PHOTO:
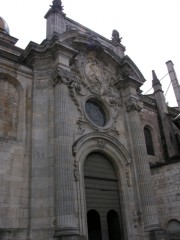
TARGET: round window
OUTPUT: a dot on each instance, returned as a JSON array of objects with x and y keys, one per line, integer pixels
[{"x": 95, "y": 113}]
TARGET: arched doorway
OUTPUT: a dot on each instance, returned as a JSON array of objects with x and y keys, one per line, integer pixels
[
  {"x": 113, "y": 225},
  {"x": 101, "y": 190},
  {"x": 94, "y": 225}
]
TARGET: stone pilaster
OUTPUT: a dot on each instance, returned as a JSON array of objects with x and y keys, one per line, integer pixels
[
  {"x": 150, "y": 216},
  {"x": 66, "y": 222}
]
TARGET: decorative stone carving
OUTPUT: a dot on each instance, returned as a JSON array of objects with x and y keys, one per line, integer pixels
[
  {"x": 99, "y": 80},
  {"x": 127, "y": 71},
  {"x": 60, "y": 75},
  {"x": 94, "y": 73},
  {"x": 78, "y": 89},
  {"x": 70, "y": 28},
  {"x": 71, "y": 80},
  {"x": 128, "y": 177},
  {"x": 90, "y": 76},
  {"x": 96, "y": 76},
  {"x": 90, "y": 35},
  {"x": 76, "y": 171},
  {"x": 81, "y": 127},
  {"x": 88, "y": 40},
  {"x": 101, "y": 143},
  {"x": 115, "y": 103},
  {"x": 115, "y": 37},
  {"x": 57, "y": 5},
  {"x": 133, "y": 104},
  {"x": 136, "y": 216}
]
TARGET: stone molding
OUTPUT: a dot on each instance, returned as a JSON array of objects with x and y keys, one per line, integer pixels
[
  {"x": 101, "y": 141},
  {"x": 112, "y": 148},
  {"x": 66, "y": 231}
]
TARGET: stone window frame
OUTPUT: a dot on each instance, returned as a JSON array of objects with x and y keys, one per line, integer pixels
[
  {"x": 103, "y": 104},
  {"x": 20, "y": 116},
  {"x": 102, "y": 120},
  {"x": 154, "y": 139},
  {"x": 149, "y": 143}
]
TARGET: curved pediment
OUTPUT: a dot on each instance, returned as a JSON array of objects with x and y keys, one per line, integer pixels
[
  {"x": 87, "y": 41},
  {"x": 129, "y": 68}
]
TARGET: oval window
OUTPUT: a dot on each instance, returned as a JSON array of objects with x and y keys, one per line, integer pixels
[{"x": 95, "y": 113}]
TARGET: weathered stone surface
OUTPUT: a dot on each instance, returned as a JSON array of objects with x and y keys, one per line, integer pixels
[{"x": 58, "y": 161}]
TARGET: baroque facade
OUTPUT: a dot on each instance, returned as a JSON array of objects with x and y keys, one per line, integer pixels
[{"x": 83, "y": 154}]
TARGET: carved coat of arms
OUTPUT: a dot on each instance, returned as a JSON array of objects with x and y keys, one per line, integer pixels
[
  {"x": 94, "y": 73},
  {"x": 99, "y": 78}
]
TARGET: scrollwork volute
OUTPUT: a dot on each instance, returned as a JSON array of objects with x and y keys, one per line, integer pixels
[
  {"x": 133, "y": 104},
  {"x": 127, "y": 71},
  {"x": 60, "y": 75},
  {"x": 71, "y": 80},
  {"x": 76, "y": 171}
]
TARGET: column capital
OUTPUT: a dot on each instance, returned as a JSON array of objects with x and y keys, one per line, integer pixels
[
  {"x": 132, "y": 103},
  {"x": 60, "y": 75}
]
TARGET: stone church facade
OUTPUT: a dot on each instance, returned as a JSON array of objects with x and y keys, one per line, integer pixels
[{"x": 83, "y": 154}]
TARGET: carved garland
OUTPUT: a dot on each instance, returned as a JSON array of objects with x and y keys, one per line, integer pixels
[{"x": 71, "y": 81}]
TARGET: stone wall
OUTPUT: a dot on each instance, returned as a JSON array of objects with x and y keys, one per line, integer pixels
[
  {"x": 167, "y": 191},
  {"x": 15, "y": 139},
  {"x": 9, "y": 99},
  {"x": 13, "y": 185}
]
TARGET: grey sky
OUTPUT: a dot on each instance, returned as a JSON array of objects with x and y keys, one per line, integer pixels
[{"x": 150, "y": 28}]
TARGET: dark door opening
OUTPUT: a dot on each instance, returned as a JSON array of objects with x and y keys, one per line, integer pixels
[
  {"x": 113, "y": 225},
  {"x": 94, "y": 225}
]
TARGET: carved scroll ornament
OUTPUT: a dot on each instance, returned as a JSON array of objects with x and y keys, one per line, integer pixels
[{"x": 133, "y": 104}]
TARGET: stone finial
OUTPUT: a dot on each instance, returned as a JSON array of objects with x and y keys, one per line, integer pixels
[
  {"x": 57, "y": 5},
  {"x": 155, "y": 79},
  {"x": 115, "y": 37}
]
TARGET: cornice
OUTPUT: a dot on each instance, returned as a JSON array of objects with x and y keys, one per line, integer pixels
[
  {"x": 11, "y": 67},
  {"x": 127, "y": 61},
  {"x": 8, "y": 39},
  {"x": 44, "y": 50},
  {"x": 148, "y": 101}
]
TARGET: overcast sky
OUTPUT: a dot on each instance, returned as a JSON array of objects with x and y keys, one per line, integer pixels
[{"x": 150, "y": 29}]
